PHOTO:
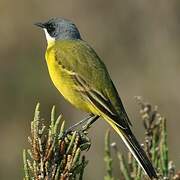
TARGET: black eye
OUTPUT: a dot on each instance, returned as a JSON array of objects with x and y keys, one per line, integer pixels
[{"x": 50, "y": 28}]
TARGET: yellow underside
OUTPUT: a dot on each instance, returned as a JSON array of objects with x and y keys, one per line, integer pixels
[{"x": 62, "y": 79}]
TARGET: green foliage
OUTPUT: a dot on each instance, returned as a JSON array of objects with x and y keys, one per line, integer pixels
[
  {"x": 54, "y": 154},
  {"x": 155, "y": 145},
  {"x": 107, "y": 158}
]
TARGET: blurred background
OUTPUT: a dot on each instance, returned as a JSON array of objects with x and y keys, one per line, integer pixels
[{"x": 138, "y": 41}]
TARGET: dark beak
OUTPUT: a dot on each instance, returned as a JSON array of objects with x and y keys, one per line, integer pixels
[{"x": 42, "y": 25}]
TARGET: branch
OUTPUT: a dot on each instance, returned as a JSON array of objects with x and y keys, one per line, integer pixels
[{"x": 53, "y": 154}]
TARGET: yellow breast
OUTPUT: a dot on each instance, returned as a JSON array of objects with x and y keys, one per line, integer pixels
[{"x": 63, "y": 81}]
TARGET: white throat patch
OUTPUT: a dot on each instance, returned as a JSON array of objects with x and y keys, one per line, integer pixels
[{"x": 50, "y": 40}]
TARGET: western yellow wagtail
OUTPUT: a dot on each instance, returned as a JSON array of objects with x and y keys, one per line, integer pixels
[{"x": 82, "y": 78}]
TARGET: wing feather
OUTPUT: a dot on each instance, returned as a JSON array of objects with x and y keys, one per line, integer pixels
[{"x": 99, "y": 101}]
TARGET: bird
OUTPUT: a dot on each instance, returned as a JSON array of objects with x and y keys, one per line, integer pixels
[{"x": 82, "y": 78}]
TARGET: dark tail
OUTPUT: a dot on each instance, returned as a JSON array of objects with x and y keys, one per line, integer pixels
[
  {"x": 137, "y": 151},
  {"x": 140, "y": 155}
]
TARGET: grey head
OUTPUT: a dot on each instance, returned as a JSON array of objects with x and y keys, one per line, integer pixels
[{"x": 59, "y": 29}]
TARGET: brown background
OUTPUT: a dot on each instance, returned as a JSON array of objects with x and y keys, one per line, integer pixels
[{"x": 137, "y": 39}]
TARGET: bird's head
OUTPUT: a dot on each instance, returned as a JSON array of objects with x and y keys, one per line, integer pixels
[{"x": 59, "y": 29}]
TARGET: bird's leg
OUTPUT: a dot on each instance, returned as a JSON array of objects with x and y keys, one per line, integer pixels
[
  {"x": 79, "y": 123},
  {"x": 91, "y": 120}
]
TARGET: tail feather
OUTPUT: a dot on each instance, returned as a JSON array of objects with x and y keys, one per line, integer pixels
[
  {"x": 137, "y": 151},
  {"x": 140, "y": 155}
]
